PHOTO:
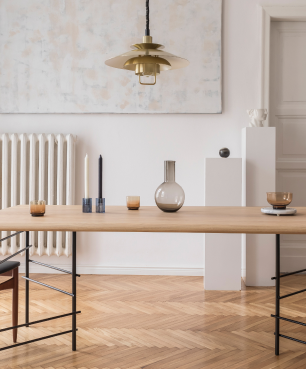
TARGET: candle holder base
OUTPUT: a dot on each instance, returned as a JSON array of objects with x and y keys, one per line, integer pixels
[
  {"x": 87, "y": 205},
  {"x": 100, "y": 205}
]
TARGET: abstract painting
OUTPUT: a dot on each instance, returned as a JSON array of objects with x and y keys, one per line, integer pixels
[{"x": 53, "y": 52}]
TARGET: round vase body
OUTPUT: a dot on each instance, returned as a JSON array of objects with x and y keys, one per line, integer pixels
[{"x": 169, "y": 196}]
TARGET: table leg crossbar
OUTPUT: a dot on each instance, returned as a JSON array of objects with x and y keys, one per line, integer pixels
[
  {"x": 52, "y": 267},
  {"x": 27, "y": 299},
  {"x": 277, "y": 316},
  {"x": 48, "y": 286},
  {"x": 35, "y": 340}
]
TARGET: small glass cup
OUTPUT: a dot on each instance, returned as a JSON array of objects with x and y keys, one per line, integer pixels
[
  {"x": 279, "y": 200},
  {"x": 37, "y": 208},
  {"x": 133, "y": 202}
]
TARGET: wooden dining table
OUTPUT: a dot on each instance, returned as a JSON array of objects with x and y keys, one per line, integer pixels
[{"x": 189, "y": 219}]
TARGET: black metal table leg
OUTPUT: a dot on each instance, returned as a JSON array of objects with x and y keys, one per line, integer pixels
[
  {"x": 278, "y": 297},
  {"x": 27, "y": 297},
  {"x": 74, "y": 291},
  {"x": 277, "y": 292},
  {"x": 27, "y": 258}
]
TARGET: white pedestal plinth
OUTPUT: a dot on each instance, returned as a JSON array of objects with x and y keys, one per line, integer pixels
[
  {"x": 259, "y": 155},
  {"x": 223, "y": 187}
]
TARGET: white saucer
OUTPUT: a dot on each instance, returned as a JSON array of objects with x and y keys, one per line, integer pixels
[{"x": 270, "y": 210}]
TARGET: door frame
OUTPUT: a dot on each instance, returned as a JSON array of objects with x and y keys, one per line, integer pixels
[{"x": 268, "y": 14}]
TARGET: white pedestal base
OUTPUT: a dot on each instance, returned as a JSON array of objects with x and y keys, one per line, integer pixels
[
  {"x": 223, "y": 187},
  {"x": 260, "y": 259},
  {"x": 258, "y": 154},
  {"x": 222, "y": 261}
]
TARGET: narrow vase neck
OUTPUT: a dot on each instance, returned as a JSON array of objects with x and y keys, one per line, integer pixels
[{"x": 169, "y": 171}]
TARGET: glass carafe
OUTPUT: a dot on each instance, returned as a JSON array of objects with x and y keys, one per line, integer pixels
[{"x": 169, "y": 196}]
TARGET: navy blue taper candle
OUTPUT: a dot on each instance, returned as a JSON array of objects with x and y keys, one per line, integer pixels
[{"x": 100, "y": 176}]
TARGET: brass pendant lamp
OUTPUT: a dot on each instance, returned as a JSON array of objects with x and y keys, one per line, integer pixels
[{"x": 147, "y": 59}]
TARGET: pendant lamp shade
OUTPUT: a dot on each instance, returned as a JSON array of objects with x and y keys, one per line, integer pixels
[{"x": 147, "y": 59}]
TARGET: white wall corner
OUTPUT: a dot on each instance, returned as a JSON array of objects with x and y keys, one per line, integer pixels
[{"x": 265, "y": 24}]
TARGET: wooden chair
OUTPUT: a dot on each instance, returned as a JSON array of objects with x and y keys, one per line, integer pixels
[{"x": 10, "y": 268}]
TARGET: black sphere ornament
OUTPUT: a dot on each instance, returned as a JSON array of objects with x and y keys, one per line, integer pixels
[{"x": 224, "y": 153}]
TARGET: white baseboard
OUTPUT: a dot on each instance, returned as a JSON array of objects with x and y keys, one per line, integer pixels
[{"x": 117, "y": 270}]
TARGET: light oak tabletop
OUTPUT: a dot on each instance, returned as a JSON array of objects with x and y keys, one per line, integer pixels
[{"x": 189, "y": 219}]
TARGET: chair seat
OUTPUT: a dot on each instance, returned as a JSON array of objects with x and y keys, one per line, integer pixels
[{"x": 8, "y": 265}]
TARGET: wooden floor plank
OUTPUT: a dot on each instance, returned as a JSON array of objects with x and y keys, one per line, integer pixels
[{"x": 155, "y": 322}]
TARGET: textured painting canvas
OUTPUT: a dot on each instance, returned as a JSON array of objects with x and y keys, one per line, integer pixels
[{"x": 52, "y": 55}]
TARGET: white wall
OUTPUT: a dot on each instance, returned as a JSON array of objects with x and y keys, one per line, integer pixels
[{"x": 135, "y": 146}]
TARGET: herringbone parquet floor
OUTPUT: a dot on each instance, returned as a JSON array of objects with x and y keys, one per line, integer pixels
[{"x": 154, "y": 322}]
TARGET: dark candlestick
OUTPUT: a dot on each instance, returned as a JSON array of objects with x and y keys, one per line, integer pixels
[{"x": 100, "y": 177}]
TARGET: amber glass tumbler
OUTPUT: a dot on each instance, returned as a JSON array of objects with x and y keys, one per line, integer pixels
[
  {"x": 133, "y": 202},
  {"x": 37, "y": 208}
]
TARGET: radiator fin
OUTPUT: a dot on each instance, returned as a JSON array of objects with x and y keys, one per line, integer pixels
[{"x": 37, "y": 166}]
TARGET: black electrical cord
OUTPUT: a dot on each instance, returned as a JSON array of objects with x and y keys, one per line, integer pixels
[{"x": 147, "y": 32}]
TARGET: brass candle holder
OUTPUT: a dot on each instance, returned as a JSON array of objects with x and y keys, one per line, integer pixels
[{"x": 37, "y": 208}]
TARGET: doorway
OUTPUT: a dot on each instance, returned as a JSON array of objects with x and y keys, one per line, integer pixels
[{"x": 288, "y": 114}]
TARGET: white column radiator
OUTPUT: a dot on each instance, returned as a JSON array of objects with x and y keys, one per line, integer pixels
[{"x": 41, "y": 167}]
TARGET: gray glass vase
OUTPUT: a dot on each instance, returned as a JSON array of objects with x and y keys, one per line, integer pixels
[{"x": 169, "y": 196}]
